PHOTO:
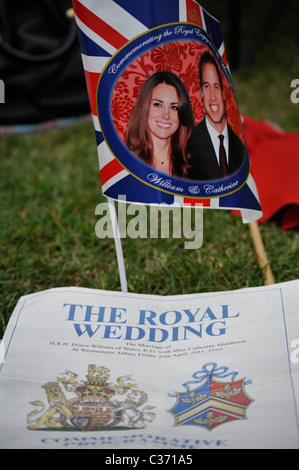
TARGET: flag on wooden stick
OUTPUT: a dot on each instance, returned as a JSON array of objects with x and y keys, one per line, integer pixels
[{"x": 161, "y": 93}]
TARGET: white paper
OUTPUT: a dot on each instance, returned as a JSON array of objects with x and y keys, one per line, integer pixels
[{"x": 137, "y": 371}]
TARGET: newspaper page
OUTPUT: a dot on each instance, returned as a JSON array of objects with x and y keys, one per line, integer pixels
[{"x": 98, "y": 369}]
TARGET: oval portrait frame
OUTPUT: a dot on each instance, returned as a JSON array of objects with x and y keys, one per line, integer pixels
[{"x": 141, "y": 57}]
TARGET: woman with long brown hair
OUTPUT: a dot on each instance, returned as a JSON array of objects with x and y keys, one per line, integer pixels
[{"x": 161, "y": 123}]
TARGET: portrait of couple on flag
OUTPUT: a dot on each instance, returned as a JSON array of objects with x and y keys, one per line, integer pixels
[{"x": 162, "y": 130}]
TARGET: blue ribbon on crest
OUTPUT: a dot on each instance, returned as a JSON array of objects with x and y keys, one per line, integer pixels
[{"x": 209, "y": 371}]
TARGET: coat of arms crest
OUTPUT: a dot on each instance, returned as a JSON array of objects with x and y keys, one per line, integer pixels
[
  {"x": 211, "y": 402},
  {"x": 94, "y": 404}
]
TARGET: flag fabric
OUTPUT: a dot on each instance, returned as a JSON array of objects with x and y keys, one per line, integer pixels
[
  {"x": 123, "y": 43},
  {"x": 275, "y": 152}
]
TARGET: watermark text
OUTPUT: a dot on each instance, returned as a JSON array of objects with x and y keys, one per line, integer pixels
[
  {"x": 295, "y": 93},
  {"x": 2, "y": 92},
  {"x": 295, "y": 352},
  {"x": 2, "y": 352},
  {"x": 152, "y": 221}
]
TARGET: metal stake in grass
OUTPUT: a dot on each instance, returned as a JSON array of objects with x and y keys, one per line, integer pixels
[{"x": 118, "y": 247}]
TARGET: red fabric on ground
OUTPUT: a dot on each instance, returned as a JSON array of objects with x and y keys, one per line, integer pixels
[{"x": 274, "y": 157}]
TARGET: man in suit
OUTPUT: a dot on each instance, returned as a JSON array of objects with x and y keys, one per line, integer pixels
[{"x": 216, "y": 150}]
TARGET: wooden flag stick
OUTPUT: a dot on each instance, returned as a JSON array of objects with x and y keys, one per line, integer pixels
[
  {"x": 261, "y": 252},
  {"x": 118, "y": 247}
]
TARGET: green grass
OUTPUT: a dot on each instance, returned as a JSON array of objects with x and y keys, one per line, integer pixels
[{"x": 50, "y": 187}]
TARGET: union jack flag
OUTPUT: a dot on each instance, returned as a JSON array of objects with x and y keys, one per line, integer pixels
[{"x": 105, "y": 27}]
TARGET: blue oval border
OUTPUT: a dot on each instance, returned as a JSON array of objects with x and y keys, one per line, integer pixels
[{"x": 149, "y": 176}]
